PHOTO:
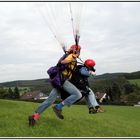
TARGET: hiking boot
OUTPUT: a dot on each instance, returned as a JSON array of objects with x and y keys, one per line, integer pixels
[
  {"x": 31, "y": 120},
  {"x": 58, "y": 112},
  {"x": 99, "y": 109},
  {"x": 92, "y": 110}
]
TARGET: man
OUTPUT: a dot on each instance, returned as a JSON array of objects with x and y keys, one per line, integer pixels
[
  {"x": 69, "y": 63},
  {"x": 80, "y": 80}
]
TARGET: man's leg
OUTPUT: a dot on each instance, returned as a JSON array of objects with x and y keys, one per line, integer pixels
[
  {"x": 91, "y": 102},
  {"x": 43, "y": 106},
  {"x": 50, "y": 100},
  {"x": 91, "y": 99},
  {"x": 93, "y": 105},
  {"x": 75, "y": 94}
]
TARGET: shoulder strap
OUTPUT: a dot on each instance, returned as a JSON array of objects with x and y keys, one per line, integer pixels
[
  {"x": 62, "y": 58},
  {"x": 80, "y": 66}
]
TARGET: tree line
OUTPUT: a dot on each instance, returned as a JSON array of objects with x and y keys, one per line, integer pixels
[
  {"x": 119, "y": 90},
  {"x": 9, "y": 93}
]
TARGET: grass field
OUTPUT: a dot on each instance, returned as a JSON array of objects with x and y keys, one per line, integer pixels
[
  {"x": 136, "y": 81},
  {"x": 117, "y": 121}
]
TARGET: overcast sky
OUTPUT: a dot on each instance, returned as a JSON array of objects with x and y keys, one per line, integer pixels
[{"x": 109, "y": 34}]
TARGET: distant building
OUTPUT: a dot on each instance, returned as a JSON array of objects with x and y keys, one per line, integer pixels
[
  {"x": 137, "y": 105},
  {"x": 34, "y": 95}
]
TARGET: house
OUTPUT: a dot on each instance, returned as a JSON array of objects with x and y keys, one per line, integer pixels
[
  {"x": 34, "y": 95},
  {"x": 138, "y": 104}
]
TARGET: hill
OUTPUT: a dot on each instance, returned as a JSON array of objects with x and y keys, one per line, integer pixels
[
  {"x": 26, "y": 83},
  {"x": 45, "y": 82},
  {"x": 117, "y": 121},
  {"x": 128, "y": 76}
]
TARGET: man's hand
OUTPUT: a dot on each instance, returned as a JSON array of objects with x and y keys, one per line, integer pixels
[{"x": 92, "y": 73}]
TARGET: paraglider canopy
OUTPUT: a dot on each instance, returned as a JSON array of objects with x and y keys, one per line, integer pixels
[{"x": 54, "y": 21}]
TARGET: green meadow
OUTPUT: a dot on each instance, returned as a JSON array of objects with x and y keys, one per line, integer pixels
[
  {"x": 117, "y": 121},
  {"x": 135, "y": 81}
]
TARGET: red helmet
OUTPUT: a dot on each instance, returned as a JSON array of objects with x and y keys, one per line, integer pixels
[
  {"x": 75, "y": 47},
  {"x": 90, "y": 63}
]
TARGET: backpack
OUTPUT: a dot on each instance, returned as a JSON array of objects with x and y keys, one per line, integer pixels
[{"x": 54, "y": 73}]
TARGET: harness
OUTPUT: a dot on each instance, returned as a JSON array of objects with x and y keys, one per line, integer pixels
[
  {"x": 68, "y": 69},
  {"x": 81, "y": 82},
  {"x": 61, "y": 72}
]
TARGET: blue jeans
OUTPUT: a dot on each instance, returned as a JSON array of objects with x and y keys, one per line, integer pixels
[
  {"x": 75, "y": 94},
  {"x": 91, "y": 99}
]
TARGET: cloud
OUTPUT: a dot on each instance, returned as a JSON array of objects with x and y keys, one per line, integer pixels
[{"x": 109, "y": 32}]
